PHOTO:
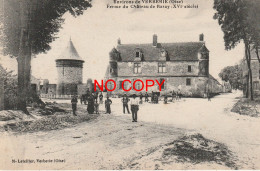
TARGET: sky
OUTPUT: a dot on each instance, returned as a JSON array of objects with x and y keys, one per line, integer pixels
[{"x": 96, "y": 32}]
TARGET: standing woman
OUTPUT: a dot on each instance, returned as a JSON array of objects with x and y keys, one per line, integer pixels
[
  {"x": 101, "y": 98},
  {"x": 108, "y": 102},
  {"x": 91, "y": 102},
  {"x": 74, "y": 102},
  {"x": 134, "y": 107}
]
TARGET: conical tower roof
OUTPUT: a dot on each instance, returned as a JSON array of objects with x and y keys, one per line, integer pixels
[{"x": 70, "y": 53}]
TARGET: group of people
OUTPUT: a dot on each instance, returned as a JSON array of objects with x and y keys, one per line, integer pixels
[
  {"x": 176, "y": 95},
  {"x": 134, "y": 104},
  {"x": 92, "y": 102},
  {"x": 91, "y": 99}
]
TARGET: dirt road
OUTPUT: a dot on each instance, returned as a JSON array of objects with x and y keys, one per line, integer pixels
[{"x": 114, "y": 142}]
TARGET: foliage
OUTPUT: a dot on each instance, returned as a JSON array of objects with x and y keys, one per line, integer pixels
[
  {"x": 232, "y": 19},
  {"x": 233, "y": 75},
  {"x": 45, "y": 20},
  {"x": 238, "y": 24},
  {"x": 254, "y": 17},
  {"x": 27, "y": 27},
  {"x": 10, "y": 88}
]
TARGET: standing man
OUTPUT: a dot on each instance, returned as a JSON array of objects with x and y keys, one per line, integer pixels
[
  {"x": 155, "y": 98},
  {"x": 74, "y": 102},
  {"x": 173, "y": 95},
  {"x": 165, "y": 99},
  {"x": 178, "y": 95},
  {"x": 101, "y": 98},
  {"x": 87, "y": 95},
  {"x": 108, "y": 102},
  {"x": 125, "y": 101},
  {"x": 96, "y": 105},
  {"x": 134, "y": 107},
  {"x": 141, "y": 98},
  {"x": 84, "y": 99},
  {"x": 146, "y": 97},
  {"x": 96, "y": 95},
  {"x": 208, "y": 94},
  {"x": 152, "y": 97}
]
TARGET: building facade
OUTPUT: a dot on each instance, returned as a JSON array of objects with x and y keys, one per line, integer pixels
[{"x": 183, "y": 66}]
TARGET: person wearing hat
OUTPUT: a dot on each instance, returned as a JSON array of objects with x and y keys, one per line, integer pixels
[
  {"x": 146, "y": 97},
  {"x": 134, "y": 102},
  {"x": 91, "y": 103},
  {"x": 101, "y": 98},
  {"x": 74, "y": 102},
  {"x": 141, "y": 98},
  {"x": 125, "y": 101},
  {"x": 108, "y": 102}
]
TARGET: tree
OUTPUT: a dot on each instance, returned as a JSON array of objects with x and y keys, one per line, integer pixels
[
  {"x": 235, "y": 19},
  {"x": 28, "y": 27},
  {"x": 233, "y": 75},
  {"x": 253, "y": 17},
  {"x": 9, "y": 86}
]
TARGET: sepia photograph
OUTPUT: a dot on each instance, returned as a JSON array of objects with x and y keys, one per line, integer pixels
[{"x": 129, "y": 85}]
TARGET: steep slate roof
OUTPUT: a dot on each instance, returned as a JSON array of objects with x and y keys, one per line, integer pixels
[
  {"x": 70, "y": 53},
  {"x": 176, "y": 51},
  {"x": 211, "y": 77}
]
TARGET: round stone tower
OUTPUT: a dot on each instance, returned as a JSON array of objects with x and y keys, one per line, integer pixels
[{"x": 69, "y": 66}]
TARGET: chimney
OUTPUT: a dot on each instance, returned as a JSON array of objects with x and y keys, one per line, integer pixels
[
  {"x": 119, "y": 41},
  {"x": 155, "y": 40},
  {"x": 201, "y": 37}
]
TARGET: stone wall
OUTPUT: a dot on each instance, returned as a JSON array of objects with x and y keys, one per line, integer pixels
[
  {"x": 173, "y": 68},
  {"x": 68, "y": 79},
  {"x": 69, "y": 75},
  {"x": 197, "y": 86}
]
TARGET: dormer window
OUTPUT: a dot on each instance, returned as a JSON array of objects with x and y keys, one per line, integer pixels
[
  {"x": 199, "y": 55},
  {"x": 163, "y": 53},
  {"x": 138, "y": 54}
]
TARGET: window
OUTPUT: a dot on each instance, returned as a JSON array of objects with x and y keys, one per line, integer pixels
[
  {"x": 188, "y": 81},
  {"x": 137, "y": 68},
  {"x": 161, "y": 67},
  {"x": 120, "y": 85},
  {"x": 138, "y": 84},
  {"x": 163, "y": 53},
  {"x": 189, "y": 68},
  {"x": 199, "y": 55},
  {"x": 163, "y": 86},
  {"x": 62, "y": 89},
  {"x": 137, "y": 54}
]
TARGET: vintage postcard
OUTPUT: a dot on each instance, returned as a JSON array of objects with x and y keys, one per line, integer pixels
[{"x": 129, "y": 84}]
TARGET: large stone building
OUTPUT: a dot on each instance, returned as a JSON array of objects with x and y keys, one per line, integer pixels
[
  {"x": 184, "y": 66},
  {"x": 69, "y": 67}
]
